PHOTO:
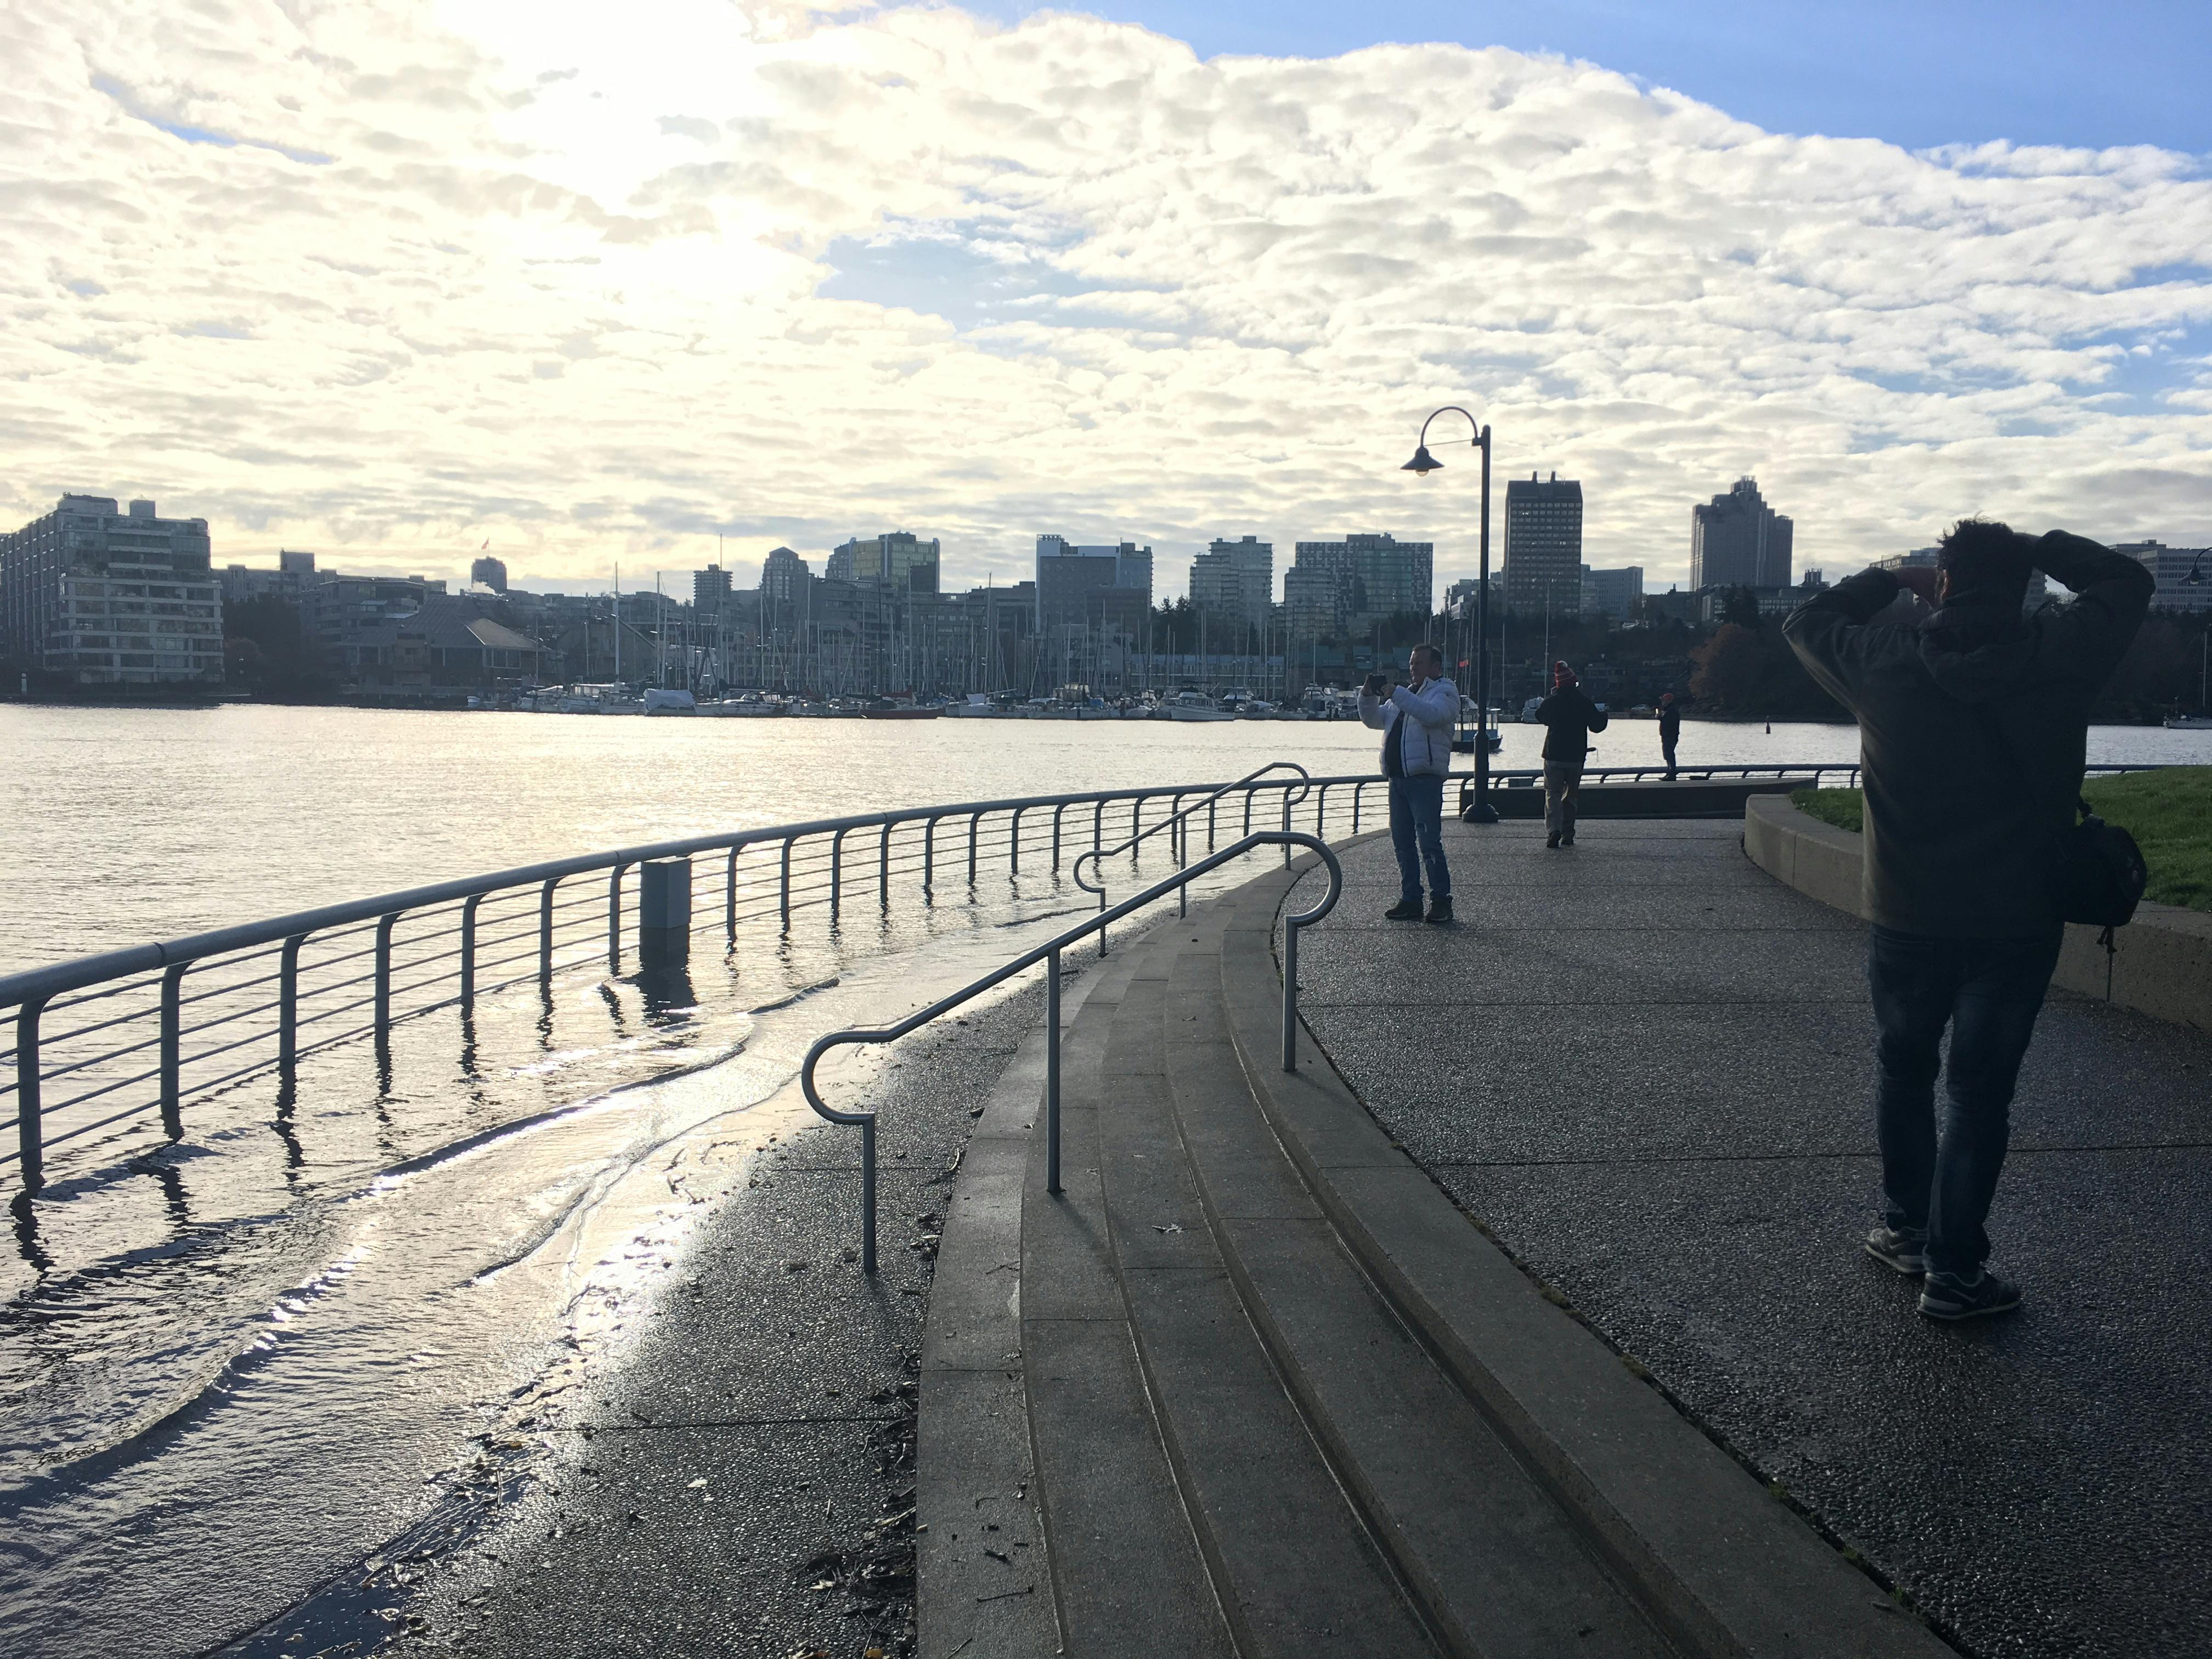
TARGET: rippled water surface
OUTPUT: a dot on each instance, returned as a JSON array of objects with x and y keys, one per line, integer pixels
[{"x": 233, "y": 1365}]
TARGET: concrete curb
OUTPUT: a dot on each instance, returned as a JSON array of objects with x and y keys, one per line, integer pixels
[
  {"x": 1726, "y": 1568},
  {"x": 2161, "y": 964}
]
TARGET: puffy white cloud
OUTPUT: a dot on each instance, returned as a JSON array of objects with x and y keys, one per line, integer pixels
[{"x": 596, "y": 284}]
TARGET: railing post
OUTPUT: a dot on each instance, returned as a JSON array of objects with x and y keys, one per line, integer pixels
[
  {"x": 545, "y": 929},
  {"x": 1211, "y": 802},
  {"x": 1136, "y": 810},
  {"x": 1286, "y": 825},
  {"x": 1014, "y": 845},
  {"x": 929, "y": 858},
  {"x": 1056, "y": 812},
  {"x": 868, "y": 1195},
  {"x": 29, "y": 1142},
  {"x": 172, "y": 1045},
  {"x": 1321, "y": 814},
  {"x": 1357, "y": 790},
  {"x": 663, "y": 913},
  {"x": 1097, "y": 824},
  {"x": 1247, "y": 809},
  {"x": 288, "y": 1006},
  {"x": 384, "y": 926},
  {"x": 613, "y": 917},
  {"x": 883, "y": 869},
  {"x": 974, "y": 820},
  {"x": 469, "y": 953},
  {"x": 786, "y": 884},
  {"x": 730, "y": 896},
  {"x": 1052, "y": 1073},
  {"x": 836, "y": 872},
  {"x": 1289, "y": 996}
]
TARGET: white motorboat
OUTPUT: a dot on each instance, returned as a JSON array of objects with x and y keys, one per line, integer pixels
[
  {"x": 669, "y": 700},
  {"x": 2188, "y": 722},
  {"x": 1196, "y": 707}
]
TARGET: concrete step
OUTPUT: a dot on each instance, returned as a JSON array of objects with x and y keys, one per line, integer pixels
[
  {"x": 1714, "y": 1563},
  {"x": 1127, "y": 1576},
  {"x": 1293, "y": 1566},
  {"x": 1499, "y": 1567}
]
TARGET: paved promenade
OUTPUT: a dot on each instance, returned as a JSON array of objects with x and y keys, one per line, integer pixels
[{"x": 1643, "y": 1066}]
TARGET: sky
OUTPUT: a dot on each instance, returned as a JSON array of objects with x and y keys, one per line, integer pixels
[{"x": 390, "y": 282}]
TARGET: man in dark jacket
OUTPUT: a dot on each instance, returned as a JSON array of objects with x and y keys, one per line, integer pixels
[
  {"x": 1567, "y": 715},
  {"x": 1973, "y": 731},
  {"x": 1670, "y": 729}
]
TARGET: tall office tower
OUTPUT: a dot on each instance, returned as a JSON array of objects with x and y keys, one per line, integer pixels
[
  {"x": 895, "y": 559},
  {"x": 1544, "y": 545},
  {"x": 112, "y": 598},
  {"x": 1737, "y": 540},
  {"x": 710, "y": 589},
  {"x": 784, "y": 576},
  {"x": 1077, "y": 585},
  {"x": 1235, "y": 579},
  {"x": 1376, "y": 576},
  {"x": 486, "y": 571}
]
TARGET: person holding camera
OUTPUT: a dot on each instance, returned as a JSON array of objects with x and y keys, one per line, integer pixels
[
  {"x": 1568, "y": 716},
  {"x": 1416, "y": 722},
  {"x": 1973, "y": 733}
]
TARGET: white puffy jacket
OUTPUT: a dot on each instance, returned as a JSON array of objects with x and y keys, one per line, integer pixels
[{"x": 1419, "y": 721}]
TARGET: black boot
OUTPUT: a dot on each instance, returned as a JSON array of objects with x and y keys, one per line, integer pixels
[
  {"x": 1404, "y": 910},
  {"x": 1552, "y": 840}
]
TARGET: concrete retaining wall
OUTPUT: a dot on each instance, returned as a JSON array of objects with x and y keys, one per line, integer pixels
[{"x": 2162, "y": 967}]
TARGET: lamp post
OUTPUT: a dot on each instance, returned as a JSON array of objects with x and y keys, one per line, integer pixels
[
  {"x": 2196, "y": 579},
  {"x": 1479, "y": 810}
]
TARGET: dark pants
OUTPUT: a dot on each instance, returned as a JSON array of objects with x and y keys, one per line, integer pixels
[
  {"x": 1416, "y": 820},
  {"x": 1667, "y": 749},
  {"x": 1989, "y": 992}
]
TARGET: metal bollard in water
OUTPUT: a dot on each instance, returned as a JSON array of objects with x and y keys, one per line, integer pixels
[{"x": 663, "y": 913}]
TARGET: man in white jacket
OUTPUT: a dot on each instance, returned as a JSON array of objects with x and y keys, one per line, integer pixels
[{"x": 1416, "y": 722}]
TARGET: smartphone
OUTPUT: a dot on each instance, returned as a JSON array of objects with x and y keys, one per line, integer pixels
[{"x": 1377, "y": 685}]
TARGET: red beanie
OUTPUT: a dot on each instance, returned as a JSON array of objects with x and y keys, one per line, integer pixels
[{"x": 1561, "y": 675}]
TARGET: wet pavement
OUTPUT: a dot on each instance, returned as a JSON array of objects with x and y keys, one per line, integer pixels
[
  {"x": 740, "y": 1480},
  {"x": 1644, "y": 1066}
]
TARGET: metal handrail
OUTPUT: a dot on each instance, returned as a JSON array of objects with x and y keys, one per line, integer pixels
[
  {"x": 1097, "y": 856},
  {"x": 1049, "y": 953}
]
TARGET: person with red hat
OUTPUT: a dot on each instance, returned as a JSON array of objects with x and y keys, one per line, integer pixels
[{"x": 1567, "y": 716}]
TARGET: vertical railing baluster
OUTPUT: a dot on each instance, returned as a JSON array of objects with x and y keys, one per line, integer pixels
[
  {"x": 287, "y": 1007},
  {"x": 1247, "y": 809},
  {"x": 30, "y": 1144},
  {"x": 883, "y": 869},
  {"x": 1136, "y": 810},
  {"x": 384, "y": 926},
  {"x": 613, "y": 917},
  {"x": 1014, "y": 845},
  {"x": 868, "y": 1194},
  {"x": 1052, "y": 1072},
  {"x": 1097, "y": 825},
  {"x": 545, "y": 929},
  {"x": 929, "y": 859},
  {"x": 836, "y": 873},
  {"x": 172, "y": 1049},
  {"x": 468, "y": 954},
  {"x": 730, "y": 896},
  {"x": 786, "y": 883},
  {"x": 1056, "y": 812},
  {"x": 1286, "y": 825},
  {"x": 975, "y": 819},
  {"x": 1321, "y": 814},
  {"x": 1211, "y": 802},
  {"x": 1356, "y": 790}
]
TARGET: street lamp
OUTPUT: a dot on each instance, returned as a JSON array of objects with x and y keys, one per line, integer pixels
[
  {"x": 2195, "y": 578},
  {"x": 1480, "y": 811}
]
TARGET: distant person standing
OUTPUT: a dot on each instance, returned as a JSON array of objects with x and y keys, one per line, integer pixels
[
  {"x": 1416, "y": 723},
  {"x": 1973, "y": 730},
  {"x": 1568, "y": 716},
  {"x": 1670, "y": 730}
]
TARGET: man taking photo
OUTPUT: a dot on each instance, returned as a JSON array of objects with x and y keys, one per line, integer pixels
[
  {"x": 1416, "y": 722},
  {"x": 1973, "y": 732}
]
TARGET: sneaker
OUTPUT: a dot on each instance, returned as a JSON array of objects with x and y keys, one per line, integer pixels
[
  {"x": 1567, "y": 839},
  {"x": 1439, "y": 912},
  {"x": 1404, "y": 910},
  {"x": 1552, "y": 840},
  {"x": 1905, "y": 1252},
  {"x": 1947, "y": 1296}
]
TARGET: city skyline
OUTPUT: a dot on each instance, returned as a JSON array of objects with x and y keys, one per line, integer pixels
[{"x": 637, "y": 298}]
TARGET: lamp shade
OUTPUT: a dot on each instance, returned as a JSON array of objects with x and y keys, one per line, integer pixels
[
  {"x": 1423, "y": 462},
  {"x": 2196, "y": 576}
]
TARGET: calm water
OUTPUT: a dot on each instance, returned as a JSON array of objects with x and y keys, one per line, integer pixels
[{"x": 230, "y": 1368}]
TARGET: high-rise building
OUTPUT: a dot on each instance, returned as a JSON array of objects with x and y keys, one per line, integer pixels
[
  {"x": 784, "y": 576},
  {"x": 2172, "y": 568},
  {"x": 1736, "y": 540},
  {"x": 710, "y": 589},
  {"x": 1544, "y": 545},
  {"x": 1080, "y": 587},
  {"x": 1374, "y": 577},
  {"x": 1612, "y": 594},
  {"x": 896, "y": 559},
  {"x": 110, "y": 598},
  {"x": 1235, "y": 580},
  {"x": 486, "y": 571}
]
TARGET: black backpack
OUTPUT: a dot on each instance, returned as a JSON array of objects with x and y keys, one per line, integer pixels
[{"x": 2098, "y": 877}]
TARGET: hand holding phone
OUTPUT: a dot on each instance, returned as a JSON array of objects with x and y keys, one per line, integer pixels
[{"x": 1378, "y": 684}]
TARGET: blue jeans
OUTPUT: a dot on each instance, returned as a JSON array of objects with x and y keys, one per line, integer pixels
[
  {"x": 1989, "y": 992},
  {"x": 1417, "y": 819}
]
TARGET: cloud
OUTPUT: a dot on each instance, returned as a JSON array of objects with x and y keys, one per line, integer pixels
[{"x": 399, "y": 280}]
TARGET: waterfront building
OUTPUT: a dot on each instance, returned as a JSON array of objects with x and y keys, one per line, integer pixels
[
  {"x": 1068, "y": 576},
  {"x": 294, "y": 580},
  {"x": 1372, "y": 577},
  {"x": 710, "y": 589},
  {"x": 1544, "y": 545},
  {"x": 1315, "y": 604},
  {"x": 1736, "y": 540},
  {"x": 784, "y": 576},
  {"x": 1614, "y": 595},
  {"x": 444, "y": 648},
  {"x": 2171, "y": 568},
  {"x": 488, "y": 572},
  {"x": 895, "y": 559},
  {"x": 1235, "y": 580},
  {"x": 109, "y": 597}
]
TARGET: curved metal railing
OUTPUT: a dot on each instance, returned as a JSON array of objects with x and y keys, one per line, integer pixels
[
  {"x": 1049, "y": 953},
  {"x": 1177, "y": 818}
]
